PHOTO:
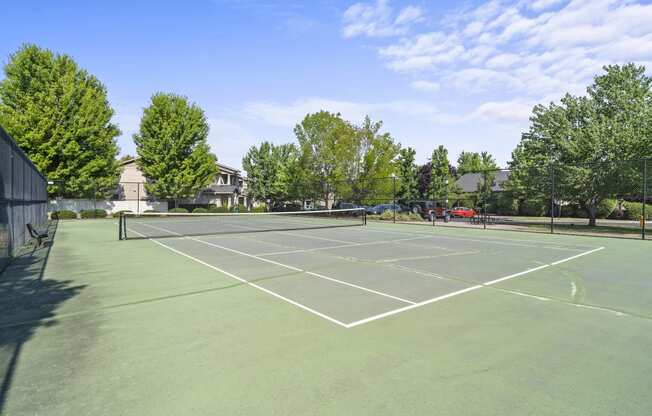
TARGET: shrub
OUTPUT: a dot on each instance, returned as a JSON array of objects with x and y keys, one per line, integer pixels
[
  {"x": 63, "y": 214},
  {"x": 606, "y": 207},
  {"x": 400, "y": 216},
  {"x": 92, "y": 213},
  {"x": 150, "y": 210},
  {"x": 505, "y": 204},
  {"x": 634, "y": 210},
  {"x": 199, "y": 210},
  {"x": 259, "y": 209},
  {"x": 178, "y": 210},
  {"x": 533, "y": 208},
  {"x": 218, "y": 209}
]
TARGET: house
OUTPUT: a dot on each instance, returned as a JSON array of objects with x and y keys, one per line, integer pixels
[
  {"x": 227, "y": 189},
  {"x": 470, "y": 182}
]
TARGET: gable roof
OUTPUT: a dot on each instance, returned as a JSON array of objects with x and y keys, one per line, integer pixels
[{"x": 469, "y": 181}]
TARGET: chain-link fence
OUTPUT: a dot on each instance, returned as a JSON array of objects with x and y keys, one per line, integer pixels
[
  {"x": 608, "y": 198},
  {"x": 23, "y": 197}
]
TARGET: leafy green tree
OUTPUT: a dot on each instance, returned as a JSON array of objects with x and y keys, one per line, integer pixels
[
  {"x": 468, "y": 162},
  {"x": 407, "y": 174},
  {"x": 374, "y": 162},
  {"x": 488, "y": 169},
  {"x": 582, "y": 141},
  {"x": 272, "y": 171},
  {"x": 172, "y": 150},
  {"x": 60, "y": 116},
  {"x": 327, "y": 145}
]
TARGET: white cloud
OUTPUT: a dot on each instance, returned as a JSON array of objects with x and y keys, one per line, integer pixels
[
  {"x": 515, "y": 110},
  {"x": 530, "y": 48},
  {"x": 379, "y": 19},
  {"x": 427, "y": 86},
  {"x": 539, "y": 5}
]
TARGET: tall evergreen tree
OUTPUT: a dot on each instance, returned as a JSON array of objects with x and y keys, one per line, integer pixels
[
  {"x": 407, "y": 175},
  {"x": 172, "y": 150},
  {"x": 441, "y": 180},
  {"x": 60, "y": 116}
]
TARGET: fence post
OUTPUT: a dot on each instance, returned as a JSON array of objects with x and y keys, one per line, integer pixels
[
  {"x": 552, "y": 198},
  {"x": 138, "y": 198},
  {"x": 394, "y": 197},
  {"x": 644, "y": 219}
]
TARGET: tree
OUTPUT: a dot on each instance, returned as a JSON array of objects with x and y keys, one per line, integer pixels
[
  {"x": 172, "y": 150},
  {"x": 468, "y": 162},
  {"x": 407, "y": 174},
  {"x": 271, "y": 172},
  {"x": 582, "y": 141},
  {"x": 440, "y": 178},
  {"x": 327, "y": 146},
  {"x": 374, "y": 162},
  {"x": 60, "y": 116}
]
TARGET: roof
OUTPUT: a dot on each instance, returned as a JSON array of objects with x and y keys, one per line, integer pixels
[
  {"x": 469, "y": 181},
  {"x": 222, "y": 189}
]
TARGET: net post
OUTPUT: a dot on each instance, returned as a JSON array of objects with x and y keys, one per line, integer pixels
[
  {"x": 364, "y": 217},
  {"x": 644, "y": 216},
  {"x": 552, "y": 198}
]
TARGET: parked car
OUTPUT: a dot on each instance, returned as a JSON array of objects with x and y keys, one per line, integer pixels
[
  {"x": 379, "y": 209},
  {"x": 345, "y": 205},
  {"x": 427, "y": 209},
  {"x": 462, "y": 212}
]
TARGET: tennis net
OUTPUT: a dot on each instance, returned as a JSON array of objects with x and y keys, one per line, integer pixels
[{"x": 162, "y": 225}]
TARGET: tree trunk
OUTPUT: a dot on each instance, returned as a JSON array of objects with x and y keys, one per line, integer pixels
[{"x": 592, "y": 211}]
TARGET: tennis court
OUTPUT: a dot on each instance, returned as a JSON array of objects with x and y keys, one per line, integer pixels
[
  {"x": 341, "y": 270},
  {"x": 325, "y": 315}
]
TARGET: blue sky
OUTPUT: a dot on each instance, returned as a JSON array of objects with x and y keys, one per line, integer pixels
[{"x": 461, "y": 74}]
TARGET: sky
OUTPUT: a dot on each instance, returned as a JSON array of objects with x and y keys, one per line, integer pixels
[{"x": 462, "y": 74}]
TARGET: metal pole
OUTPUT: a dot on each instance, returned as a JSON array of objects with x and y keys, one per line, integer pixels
[
  {"x": 94, "y": 200},
  {"x": 138, "y": 198},
  {"x": 644, "y": 219},
  {"x": 552, "y": 198},
  {"x": 394, "y": 197}
]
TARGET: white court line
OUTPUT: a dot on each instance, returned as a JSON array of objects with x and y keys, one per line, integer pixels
[
  {"x": 469, "y": 289},
  {"x": 321, "y": 276},
  {"x": 501, "y": 241},
  {"x": 231, "y": 275},
  {"x": 434, "y": 256},
  {"x": 309, "y": 250}
]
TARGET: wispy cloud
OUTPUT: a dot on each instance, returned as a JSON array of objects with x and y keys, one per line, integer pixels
[
  {"x": 379, "y": 19},
  {"x": 532, "y": 48}
]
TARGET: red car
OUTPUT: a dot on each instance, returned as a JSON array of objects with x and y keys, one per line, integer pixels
[{"x": 462, "y": 212}]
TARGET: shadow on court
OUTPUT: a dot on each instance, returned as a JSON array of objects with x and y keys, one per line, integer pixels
[{"x": 27, "y": 302}]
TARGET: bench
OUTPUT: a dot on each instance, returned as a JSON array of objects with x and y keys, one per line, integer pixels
[{"x": 35, "y": 234}]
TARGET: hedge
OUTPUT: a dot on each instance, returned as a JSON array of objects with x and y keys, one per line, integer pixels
[
  {"x": 218, "y": 209},
  {"x": 400, "y": 216},
  {"x": 199, "y": 210},
  {"x": 63, "y": 214},
  {"x": 179, "y": 210},
  {"x": 92, "y": 213}
]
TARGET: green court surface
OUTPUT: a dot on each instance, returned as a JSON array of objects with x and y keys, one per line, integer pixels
[{"x": 380, "y": 319}]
